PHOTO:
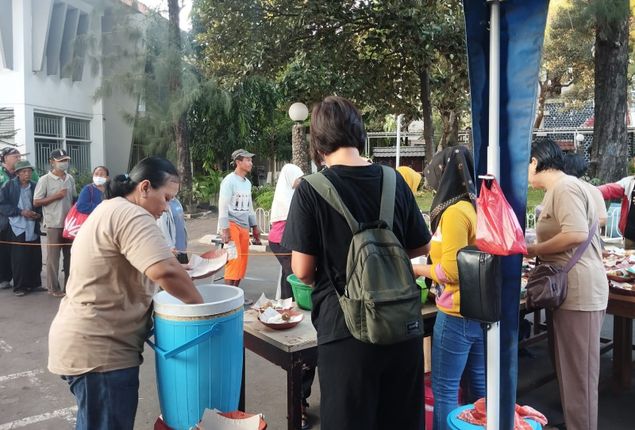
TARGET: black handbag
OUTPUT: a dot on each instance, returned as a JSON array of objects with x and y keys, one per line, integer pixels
[
  {"x": 547, "y": 284},
  {"x": 480, "y": 284}
]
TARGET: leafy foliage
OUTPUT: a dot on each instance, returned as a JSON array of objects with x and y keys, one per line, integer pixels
[{"x": 377, "y": 53}]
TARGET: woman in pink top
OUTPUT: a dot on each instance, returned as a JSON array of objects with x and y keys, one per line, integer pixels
[{"x": 287, "y": 181}]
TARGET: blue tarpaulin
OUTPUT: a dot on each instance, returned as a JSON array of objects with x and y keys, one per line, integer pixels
[{"x": 522, "y": 33}]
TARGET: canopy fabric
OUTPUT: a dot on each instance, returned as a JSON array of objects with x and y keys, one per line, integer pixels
[{"x": 522, "y": 34}]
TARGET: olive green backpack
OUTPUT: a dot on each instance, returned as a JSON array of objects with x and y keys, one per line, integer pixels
[{"x": 381, "y": 300}]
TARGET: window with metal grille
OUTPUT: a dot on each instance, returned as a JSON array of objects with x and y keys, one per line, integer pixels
[
  {"x": 77, "y": 129},
  {"x": 48, "y": 125},
  {"x": 53, "y": 132},
  {"x": 7, "y": 126},
  {"x": 43, "y": 149}
]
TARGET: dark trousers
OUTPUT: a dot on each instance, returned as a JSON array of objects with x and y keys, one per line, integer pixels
[
  {"x": 308, "y": 372},
  {"x": 5, "y": 256},
  {"x": 285, "y": 262},
  {"x": 106, "y": 400},
  {"x": 371, "y": 387},
  {"x": 26, "y": 263}
]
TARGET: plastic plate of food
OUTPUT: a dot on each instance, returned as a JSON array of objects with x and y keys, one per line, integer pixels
[
  {"x": 621, "y": 275},
  {"x": 281, "y": 319}
]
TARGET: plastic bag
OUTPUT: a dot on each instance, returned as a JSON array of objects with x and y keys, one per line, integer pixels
[
  {"x": 72, "y": 223},
  {"x": 498, "y": 231}
]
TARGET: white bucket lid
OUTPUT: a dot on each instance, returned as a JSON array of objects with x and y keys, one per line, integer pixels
[{"x": 217, "y": 299}]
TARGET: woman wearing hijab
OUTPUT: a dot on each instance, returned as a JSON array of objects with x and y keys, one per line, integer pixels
[
  {"x": 457, "y": 344},
  {"x": 412, "y": 178},
  {"x": 287, "y": 182}
]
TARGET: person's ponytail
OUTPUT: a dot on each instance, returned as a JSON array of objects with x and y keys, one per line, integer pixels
[
  {"x": 157, "y": 170},
  {"x": 119, "y": 186}
]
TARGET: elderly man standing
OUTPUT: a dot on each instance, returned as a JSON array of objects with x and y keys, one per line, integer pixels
[
  {"x": 9, "y": 156},
  {"x": 236, "y": 215},
  {"x": 55, "y": 192},
  {"x": 16, "y": 204}
]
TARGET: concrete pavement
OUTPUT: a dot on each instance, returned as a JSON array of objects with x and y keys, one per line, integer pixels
[{"x": 32, "y": 398}]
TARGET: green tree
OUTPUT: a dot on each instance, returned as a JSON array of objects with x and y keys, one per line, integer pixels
[
  {"x": 567, "y": 58},
  {"x": 609, "y": 152},
  {"x": 377, "y": 53},
  {"x": 179, "y": 125}
]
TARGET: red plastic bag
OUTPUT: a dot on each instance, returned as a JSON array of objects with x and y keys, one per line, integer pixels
[
  {"x": 72, "y": 223},
  {"x": 498, "y": 231}
]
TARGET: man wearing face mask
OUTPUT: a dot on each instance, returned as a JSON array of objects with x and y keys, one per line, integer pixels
[{"x": 55, "y": 192}]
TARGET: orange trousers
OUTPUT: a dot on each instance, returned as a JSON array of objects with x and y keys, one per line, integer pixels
[{"x": 235, "y": 269}]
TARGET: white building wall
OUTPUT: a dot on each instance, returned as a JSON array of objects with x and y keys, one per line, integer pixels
[{"x": 30, "y": 86}]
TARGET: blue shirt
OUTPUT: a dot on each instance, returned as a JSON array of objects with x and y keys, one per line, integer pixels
[
  {"x": 89, "y": 198},
  {"x": 20, "y": 224}
]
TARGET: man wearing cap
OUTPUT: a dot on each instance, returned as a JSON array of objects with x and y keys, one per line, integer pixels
[
  {"x": 9, "y": 156},
  {"x": 236, "y": 214},
  {"x": 16, "y": 204},
  {"x": 55, "y": 193}
]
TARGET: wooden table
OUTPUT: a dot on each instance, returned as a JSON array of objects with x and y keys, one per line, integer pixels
[
  {"x": 622, "y": 308},
  {"x": 292, "y": 348}
]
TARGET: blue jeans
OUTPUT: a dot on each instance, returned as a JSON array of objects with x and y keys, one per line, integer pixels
[
  {"x": 457, "y": 347},
  {"x": 106, "y": 400}
]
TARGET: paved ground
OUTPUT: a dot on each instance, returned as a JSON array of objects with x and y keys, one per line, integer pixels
[{"x": 32, "y": 398}]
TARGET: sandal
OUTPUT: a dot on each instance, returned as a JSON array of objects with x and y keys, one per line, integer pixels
[{"x": 57, "y": 293}]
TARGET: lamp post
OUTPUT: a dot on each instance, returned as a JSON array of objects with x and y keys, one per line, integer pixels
[
  {"x": 579, "y": 140},
  {"x": 298, "y": 112}
]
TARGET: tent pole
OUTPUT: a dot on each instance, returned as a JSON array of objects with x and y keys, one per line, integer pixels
[{"x": 493, "y": 168}]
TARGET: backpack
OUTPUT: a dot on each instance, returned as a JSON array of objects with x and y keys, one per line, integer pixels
[{"x": 381, "y": 301}]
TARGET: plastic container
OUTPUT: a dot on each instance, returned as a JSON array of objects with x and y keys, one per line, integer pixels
[
  {"x": 199, "y": 354},
  {"x": 421, "y": 282},
  {"x": 301, "y": 292},
  {"x": 455, "y": 423}
]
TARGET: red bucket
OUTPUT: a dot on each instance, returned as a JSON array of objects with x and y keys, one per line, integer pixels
[{"x": 429, "y": 400}]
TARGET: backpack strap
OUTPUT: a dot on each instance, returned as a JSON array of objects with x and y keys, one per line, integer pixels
[
  {"x": 327, "y": 191},
  {"x": 324, "y": 187},
  {"x": 389, "y": 187}
]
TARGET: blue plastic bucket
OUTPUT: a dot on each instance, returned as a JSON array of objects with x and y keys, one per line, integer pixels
[
  {"x": 199, "y": 354},
  {"x": 455, "y": 423}
]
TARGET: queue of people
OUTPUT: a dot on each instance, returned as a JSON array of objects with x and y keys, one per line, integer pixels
[{"x": 33, "y": 206}]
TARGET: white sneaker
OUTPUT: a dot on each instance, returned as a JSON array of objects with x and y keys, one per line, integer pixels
[{"x": 5, "y": 285}]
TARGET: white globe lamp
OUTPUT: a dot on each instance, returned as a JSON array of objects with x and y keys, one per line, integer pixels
[{"x": 298, "y": 112}]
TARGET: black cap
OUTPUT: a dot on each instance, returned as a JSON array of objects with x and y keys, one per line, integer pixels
[
  {"x": 9, "y": 150},
  {"x": 59, "y": 155}
]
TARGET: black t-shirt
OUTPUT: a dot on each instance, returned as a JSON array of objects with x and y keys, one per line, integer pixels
[
  {"x": 629, "y": 231},
  {"x": 315, "y": 228}
]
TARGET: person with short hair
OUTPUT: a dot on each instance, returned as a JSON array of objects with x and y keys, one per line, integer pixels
[
  {"x": 55, "y": 193},
  {"x": 9, "y": 156},
  {"x": 16, "y": 204},
  {"x": 92, "y": 194},
  {"x": 120, "y": 257},
  {"x": 236, "y": 215},
  {"x": 567, "y": 216},
  {"x": 362, "y": 385}
]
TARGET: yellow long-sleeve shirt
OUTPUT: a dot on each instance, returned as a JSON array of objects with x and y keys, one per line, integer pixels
[{"x": 456, "y": 230}]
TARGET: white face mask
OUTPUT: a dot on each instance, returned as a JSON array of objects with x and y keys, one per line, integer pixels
[
  {"x": 62, "y": 165},
  {"x": 99, "y": 180}
]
